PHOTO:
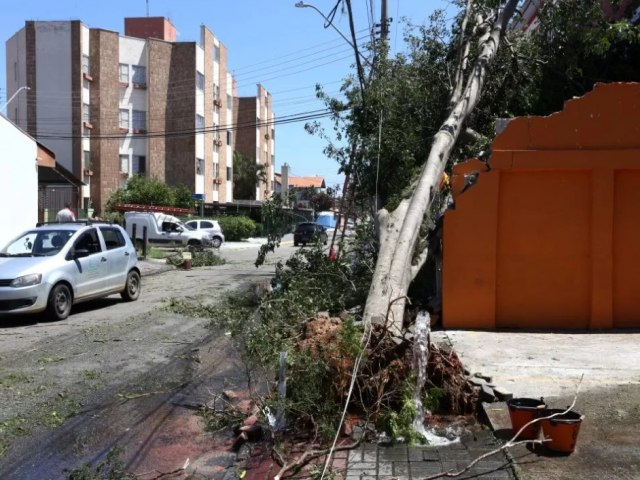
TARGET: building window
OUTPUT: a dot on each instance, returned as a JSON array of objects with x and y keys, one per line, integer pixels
[
  {"x": 86, "y": 159},
  {"x": 216, "y": 170},
  {"x": 229, "y": 137},
  {"x": 139, "y": 120},
  {"x": 273, "y": 133},
  {"x": 229, "y": 102},
  {"x": 229, "y": 174},
  {"x": 124, "y": 119},
  {"x": 199, "y": 122},
  {"x": 199, "y": 166},
  {"x": 86, "y": 113},
  {"x": 216, "y": 53},
  {"x": 124, "y": 73},
  {"x": 139, "y": 76},
  {"x": 273, "y": 159},
  {"x": 86, "y": 65},
  {"x": 199, "y": 81},
  {"x": 139, "y": 164},
  {"x": 124, "y": 163}
]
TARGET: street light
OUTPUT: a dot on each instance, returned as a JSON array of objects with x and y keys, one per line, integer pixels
[
  {"x": 301, "y": 4},
  {"x": 14, "y": 96}
]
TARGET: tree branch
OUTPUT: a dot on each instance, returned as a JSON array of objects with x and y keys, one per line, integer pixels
[{"x": 306, "y": 457}]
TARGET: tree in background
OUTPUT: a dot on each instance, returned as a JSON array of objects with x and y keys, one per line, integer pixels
[
  {"x": 150, "y": 191},
  {"x": 247, "y": 175}
]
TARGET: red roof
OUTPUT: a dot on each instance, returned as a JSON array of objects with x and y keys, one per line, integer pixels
[{"x": 306, "y": 182}]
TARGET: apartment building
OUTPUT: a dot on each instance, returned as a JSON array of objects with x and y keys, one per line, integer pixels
[
  {"x": 255, "y": 135},
  {"x": 111, "y": 106}
]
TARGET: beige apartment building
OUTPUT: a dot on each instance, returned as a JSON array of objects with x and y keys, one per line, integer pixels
[{"x": 111, "y": 106}]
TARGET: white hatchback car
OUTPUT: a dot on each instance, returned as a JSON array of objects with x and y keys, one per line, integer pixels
[
  {"x": 57, "y": 265},
  {"x": 212, "y": 227}
]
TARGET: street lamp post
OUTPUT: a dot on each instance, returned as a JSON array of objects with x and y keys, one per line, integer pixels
[
  {"x": 24, "y": 87},
  {"x": 301, "y": 4}
]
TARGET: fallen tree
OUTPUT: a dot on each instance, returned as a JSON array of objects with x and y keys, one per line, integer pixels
[{"x": 399, "y": 259}]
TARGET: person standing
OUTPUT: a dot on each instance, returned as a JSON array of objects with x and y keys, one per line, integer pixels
[{"x": 66, "y": 214}]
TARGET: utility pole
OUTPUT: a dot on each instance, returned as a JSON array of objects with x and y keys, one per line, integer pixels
[{"x": 384, "y": 22}]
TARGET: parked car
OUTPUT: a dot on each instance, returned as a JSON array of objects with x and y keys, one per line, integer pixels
[
  {"x": 212, "y": 227},
  {"x": 309, "y": 232},
  {"x": 163, "y": 229},
  {"x": 54, "y": 266}
]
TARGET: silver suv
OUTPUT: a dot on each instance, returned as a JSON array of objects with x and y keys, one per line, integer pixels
[{"x": 57, "y": 265}]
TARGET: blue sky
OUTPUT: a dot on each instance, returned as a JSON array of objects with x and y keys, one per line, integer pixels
[{"x": 273, "y": 43}]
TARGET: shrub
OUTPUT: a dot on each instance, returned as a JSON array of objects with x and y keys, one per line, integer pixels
[{"x": 237, "y": 228}]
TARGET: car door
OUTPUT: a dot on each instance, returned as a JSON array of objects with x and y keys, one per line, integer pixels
[
  {"x": 117, "y": 254},
  {"x": 90, "y": 264}
]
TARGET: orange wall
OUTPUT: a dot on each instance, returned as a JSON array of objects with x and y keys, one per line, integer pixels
[{"x": 550, "y": 237}]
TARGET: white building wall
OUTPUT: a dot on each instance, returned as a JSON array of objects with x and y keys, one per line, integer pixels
[
  {"x": 199, "y": 183},
  {"x": 228, "y": 120},
  {"x": 133, "y": 51},
  {"x": 16, "y": 74},
  {"x": 53, "y": 83},
  {"x": 86, "y": 141},
  {"x": 19, "y": 196}
]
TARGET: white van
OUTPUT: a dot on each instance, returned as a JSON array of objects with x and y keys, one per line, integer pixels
[{"x": 163, "y": 229}]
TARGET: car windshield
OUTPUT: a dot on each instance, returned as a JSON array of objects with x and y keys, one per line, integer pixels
[
  {"x": 188, "y": 226},
  {"x": 37, "y": 243}
]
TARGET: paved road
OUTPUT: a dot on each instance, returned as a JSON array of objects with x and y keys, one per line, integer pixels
[{"x": 103, "y": 370}]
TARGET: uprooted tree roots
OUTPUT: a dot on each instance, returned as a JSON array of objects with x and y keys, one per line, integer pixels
[{"x": 385, "y": 379}]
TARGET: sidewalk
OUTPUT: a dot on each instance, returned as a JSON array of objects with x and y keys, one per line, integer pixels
[{"x": 402, "y": 462}]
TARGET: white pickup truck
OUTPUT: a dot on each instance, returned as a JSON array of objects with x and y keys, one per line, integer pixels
[{"x": 163, "y": 229}]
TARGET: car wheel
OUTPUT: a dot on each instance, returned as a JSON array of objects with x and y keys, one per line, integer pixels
[
  {"x": 216, "y": 242},
  {"x": 193, "y": 243},
  {"x": 60, "y": 302},
  {"x": 131, "y": 290}
]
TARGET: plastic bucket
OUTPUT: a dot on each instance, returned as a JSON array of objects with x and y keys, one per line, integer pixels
[
  {"x": 523, "y": 411},
  {"x": 561, "y": 431}
]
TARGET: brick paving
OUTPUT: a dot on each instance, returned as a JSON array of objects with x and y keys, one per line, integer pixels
[{"x": 403, "y": 462}]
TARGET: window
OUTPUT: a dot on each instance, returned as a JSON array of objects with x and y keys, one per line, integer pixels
[
  {"x": 229, "y": 174},
  {"x": 229, "y": 137},
  {"x": 199, "y": 81},
  {"x": 86, "y": 113},
  {"x": 89, "y": 241},
  {"x": 86, "y": 64},
  {"x": 124, "y": 163},
  {"x": 216, "y": 53},
  {"x": 113, "y": 237},
  {"x": 216, "y": 170},
  {"x": 216, "y": 91},
  {"x": 139, "y": 75},
  {"x": 86, "y": 159},
  {"x": 273, "y": 133},
  {"x": 124, "y": 73},
  {"x": 124, "y": 118},
  {"x": 139, "y": 120},
  {"x": 199, "y": 166},
  {"x": 199, "y": 122},
  {"x": 229, "y": 102},
  {"x": 206, "y": 224},
  {"x": 138, "y": 164}
]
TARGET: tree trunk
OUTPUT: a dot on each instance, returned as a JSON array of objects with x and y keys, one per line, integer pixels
[{"x": 399, "y": 230}]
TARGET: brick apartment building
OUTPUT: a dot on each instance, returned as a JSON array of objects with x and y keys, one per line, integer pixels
[
  {"x": 112, "y": 106},
  {"x": 256, "y": 135}
]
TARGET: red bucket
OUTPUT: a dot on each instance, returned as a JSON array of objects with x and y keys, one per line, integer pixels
[
  {"x": 562, "y": 430},
  {"x": 523, "y": 411}
]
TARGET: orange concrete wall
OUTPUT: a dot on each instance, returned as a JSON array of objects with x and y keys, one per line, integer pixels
[{"x": 550, "y": 236}]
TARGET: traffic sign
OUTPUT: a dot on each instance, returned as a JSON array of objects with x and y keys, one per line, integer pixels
[{"x": 197, "y": 196}]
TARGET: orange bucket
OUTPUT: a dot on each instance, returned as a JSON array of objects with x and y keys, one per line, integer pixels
[
  {"x": 523, "y": 411},
  {"x": 561, "y": 431}
]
